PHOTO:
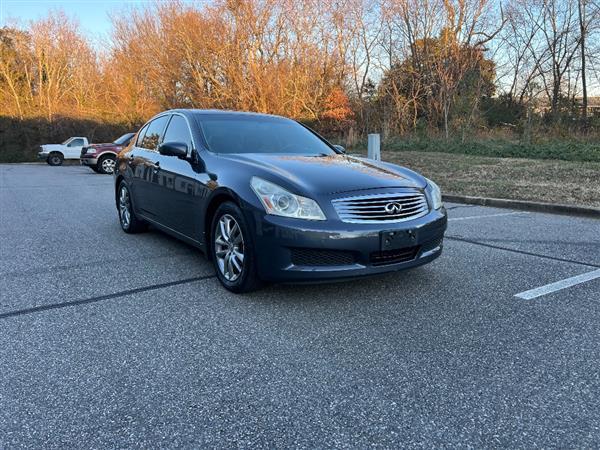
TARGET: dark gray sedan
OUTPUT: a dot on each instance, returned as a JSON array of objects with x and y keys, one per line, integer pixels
[{"x": 268, "y": 199}]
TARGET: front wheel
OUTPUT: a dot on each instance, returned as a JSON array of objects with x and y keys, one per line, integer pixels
[
  {"x": 106, "y": 165},
  {"x": 127, "y": 218},
  {"x": 232, "y": 250},
  {"x": 55, "y": 159}
]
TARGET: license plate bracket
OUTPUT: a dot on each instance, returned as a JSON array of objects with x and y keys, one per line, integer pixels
[{"x": 397, "y": 239}]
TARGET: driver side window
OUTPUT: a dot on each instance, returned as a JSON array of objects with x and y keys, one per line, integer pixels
[
  {"x": 178, "y": 131},
  {"x": 75, "y": 143}
]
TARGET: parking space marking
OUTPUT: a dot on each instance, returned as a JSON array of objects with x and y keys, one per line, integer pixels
[
  {"x": 51, "y": 306},
  {"x": 559, "y": 285},
  {"x": 488, "y": 215},
  {"x": 520, "y": 252}
]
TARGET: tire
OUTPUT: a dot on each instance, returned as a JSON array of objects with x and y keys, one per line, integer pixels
[
  {"x": 106, "y": 165},
  {"x": 226, "y": 244},
  {"x": 127, "y": 218},
  {"x": 55, "y": 159}
]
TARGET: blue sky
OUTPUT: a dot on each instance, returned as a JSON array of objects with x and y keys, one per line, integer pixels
[{"x": 93, "y": 15}]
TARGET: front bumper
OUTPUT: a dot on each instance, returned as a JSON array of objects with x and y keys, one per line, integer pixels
[
  {"x": 43, "y": 155},
  {"x": 88, "y": 161},
  {"x": 296, "y": 250}
]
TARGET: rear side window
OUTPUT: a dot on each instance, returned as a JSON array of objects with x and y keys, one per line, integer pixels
[
  {"x": 140, "y": 136},
  {"x": 154, "y": 133},
  {"x": 178, "y": 131}
]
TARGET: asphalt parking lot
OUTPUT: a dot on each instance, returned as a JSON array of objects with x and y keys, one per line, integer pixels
[{"x": 114, "y": 340}]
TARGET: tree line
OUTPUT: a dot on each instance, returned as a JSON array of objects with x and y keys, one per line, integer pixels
[{"x": 345, "y": 66}]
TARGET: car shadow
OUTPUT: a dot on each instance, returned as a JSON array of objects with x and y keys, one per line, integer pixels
[{"x": 369, "y": 288}]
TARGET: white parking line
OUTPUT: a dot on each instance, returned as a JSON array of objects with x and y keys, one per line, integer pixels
[
  {"x": 557, "y": 286},
  {"x": 488, "y": 215}
]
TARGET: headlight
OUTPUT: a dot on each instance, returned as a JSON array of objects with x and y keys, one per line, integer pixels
[
  {"x": 436, "y": 195},
  {"x": 91, "y": 150},
  {"x": 279, "y": 202}
]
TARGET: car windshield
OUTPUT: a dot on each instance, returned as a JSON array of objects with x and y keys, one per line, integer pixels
[
  {"x": 123, "y": 139},
  {"x": 261, "y": 134}
]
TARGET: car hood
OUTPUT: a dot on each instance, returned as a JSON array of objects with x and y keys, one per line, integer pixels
[
  {"x": 330, "y": 174},
  {"x": 106, "y": 145},
  {"x": 51, "y": 146}
]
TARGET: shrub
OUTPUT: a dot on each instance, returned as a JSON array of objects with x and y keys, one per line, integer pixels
[{"x": 20, "y": 139}]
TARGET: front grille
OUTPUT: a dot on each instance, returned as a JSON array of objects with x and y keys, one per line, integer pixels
[
  {"x": 394, "y": 256},
  {"x": 83, "y": 151},
  {"x": 321, "y": 257},
  {"x": 376, "y": 208}
]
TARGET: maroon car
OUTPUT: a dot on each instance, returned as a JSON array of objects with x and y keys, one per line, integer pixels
[{"x": 101, "y": 157}]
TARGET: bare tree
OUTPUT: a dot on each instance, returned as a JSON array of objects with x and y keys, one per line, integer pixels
[
  {"x": 14, "y": 46},
  {"x": 583, "y": 32}
]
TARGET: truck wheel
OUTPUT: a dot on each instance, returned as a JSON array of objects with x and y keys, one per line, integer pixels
[
  {"x": 106, "y": 164},
  {"x": 55, "y": 159}
]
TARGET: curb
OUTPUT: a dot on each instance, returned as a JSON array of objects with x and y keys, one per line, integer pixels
[{"x": 551, "y": 208}]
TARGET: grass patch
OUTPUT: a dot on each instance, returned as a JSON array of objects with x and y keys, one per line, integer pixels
[
  {"x": 564, "y": 150},
  {"x": 552, "y": 181}
]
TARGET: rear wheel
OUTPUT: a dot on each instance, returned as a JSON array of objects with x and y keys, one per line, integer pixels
[
  {"x": 232, "y": 250},
  {"x": 127, "y": 218},
  {"x": 106, "y": 164},
  {"x": 55, "y": 159}
]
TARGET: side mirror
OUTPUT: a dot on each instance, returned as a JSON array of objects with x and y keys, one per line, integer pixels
[
  {"x": 339, "y": 148},
  {"x": 178, "y": 149}
]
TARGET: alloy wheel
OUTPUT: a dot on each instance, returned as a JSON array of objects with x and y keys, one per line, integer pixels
[
  {"x": 229, "y": 248},
  {"x": 108, "y": 165},
  {"x": 124, "y": 208},
  {"x": 55, "y": 160}
]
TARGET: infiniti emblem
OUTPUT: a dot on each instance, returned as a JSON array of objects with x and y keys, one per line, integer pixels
[{"x": 393, "y": 208}]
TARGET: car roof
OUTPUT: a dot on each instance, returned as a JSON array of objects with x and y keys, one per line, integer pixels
[{"x": 224, "y": 112}]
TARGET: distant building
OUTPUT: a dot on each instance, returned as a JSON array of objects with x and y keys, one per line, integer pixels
[
  {"x": 593, "y": 105},
  {"x": 542, "y": 106}
]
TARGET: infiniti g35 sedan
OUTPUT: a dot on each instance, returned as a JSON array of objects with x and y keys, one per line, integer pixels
[{"x": 268, "y": 199}]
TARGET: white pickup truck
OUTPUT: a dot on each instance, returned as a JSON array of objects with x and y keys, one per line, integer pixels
[{"x": 55, "y": 154}]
